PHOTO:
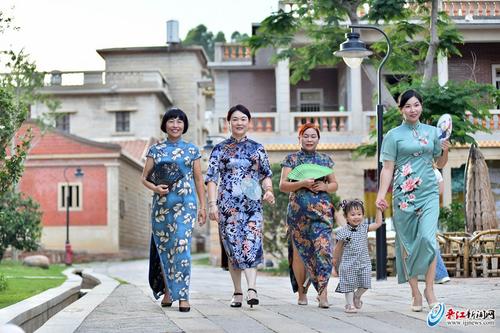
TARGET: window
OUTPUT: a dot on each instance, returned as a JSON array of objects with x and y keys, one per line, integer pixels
[
  {"x": 310, "y": 100},
  {"x": 122, "y": 121},
  {"x": 70, "y": 193},
  {"x": 495, "y": 74},
  {"x": 62, "y": 122}
]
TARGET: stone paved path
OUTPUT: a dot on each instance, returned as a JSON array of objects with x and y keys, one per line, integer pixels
[{"x": 386, "y": 306}]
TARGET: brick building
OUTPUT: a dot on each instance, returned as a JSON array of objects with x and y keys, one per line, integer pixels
[{"x": 109, "y": 206}]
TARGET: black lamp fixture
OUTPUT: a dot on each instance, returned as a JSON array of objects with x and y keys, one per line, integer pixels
[
  {"x": 68, "y": 252},
  {"x": 353, "y": 50},
  {"x": 209, "y": 142}
]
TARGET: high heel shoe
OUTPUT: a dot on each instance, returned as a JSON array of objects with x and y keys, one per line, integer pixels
[
  {"x": 302, "y": 302},
  {"x": 166, "y": 304},
  {"x": 234, "y": 303},
  {"x": 431, "y": 305},
  {"x": 416, "y": 307},
  {"x": 184, "y": 308},
  {"x": 322, "y": 304},
  {"x": 252, "y": 301}
]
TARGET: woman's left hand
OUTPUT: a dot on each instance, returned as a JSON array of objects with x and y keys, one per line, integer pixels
[
  {"x": 269, "y": 197},
  {"x": 320, "y": 187},
  {"x": 202, "y": 217},
  {"x": 445, "y": 145}
]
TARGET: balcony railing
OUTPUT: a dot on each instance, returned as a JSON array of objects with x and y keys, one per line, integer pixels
[
  {"x": 470, "y": 9},
  {"x": 232, "y": 52},
  {"x": 492, "y": 123},
  {"x": 96, "y": 79},
  {"x": 454, "y": 8},
  {"x": 314, "y": 107},
  {"x": 264, "y": 122},
  {"x": 328, "y": 122}
]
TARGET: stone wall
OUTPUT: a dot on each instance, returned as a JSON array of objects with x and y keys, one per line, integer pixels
[{"x": 134, "y": 209}]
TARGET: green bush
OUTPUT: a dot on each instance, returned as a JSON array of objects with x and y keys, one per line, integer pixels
[
  {"x": 3, "y": 282},
  {"x": 452, "y": 218},
  {"x": 20, "y": 225}
]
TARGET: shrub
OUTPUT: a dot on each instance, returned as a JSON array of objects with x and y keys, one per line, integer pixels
[{"x": 452, "y": 218}]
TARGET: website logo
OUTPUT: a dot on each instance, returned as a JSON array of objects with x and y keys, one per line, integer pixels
[{"x": 436, "y": 315}]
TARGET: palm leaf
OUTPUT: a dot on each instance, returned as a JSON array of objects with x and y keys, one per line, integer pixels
[{"x": 307, "y": 170}]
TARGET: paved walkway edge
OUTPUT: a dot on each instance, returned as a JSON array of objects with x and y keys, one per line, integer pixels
[
  {"x": 34, "y": 311},
  {"x": 70, "y": 318}
]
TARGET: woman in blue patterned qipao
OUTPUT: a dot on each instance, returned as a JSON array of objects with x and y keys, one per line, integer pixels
[
  {"x": 239, "y": 165},
  {"x": 309, "y": 219},
  {"x": 407, "y": 154},
  {"x": 174, "y": 210}
]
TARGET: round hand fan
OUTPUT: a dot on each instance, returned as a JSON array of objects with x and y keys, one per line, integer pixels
[
  {"x": 166, "y": 174},
  {"x": 251, "y": 188},
  {"x": 444, "y": 126},
  {"x": 306, "y": 171}
]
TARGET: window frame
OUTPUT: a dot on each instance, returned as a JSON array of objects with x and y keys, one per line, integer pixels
[
  {"x": 61, "y": 202},
  {"x": 121, "y": 121},
  {"x": 300, "y": 102},
  {"x": 67, "y": 119}
]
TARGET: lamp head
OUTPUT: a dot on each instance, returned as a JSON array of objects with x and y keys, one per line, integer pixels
[
  {"x": 353, "y": 50},
  {"x": 79, "y": 172},
  {"x": 209, "y": 145}
]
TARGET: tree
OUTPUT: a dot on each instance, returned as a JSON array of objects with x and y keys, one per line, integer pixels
[
  {"x": 236, "y": 37},
  {"x": 20, "y": 227},
  {"x": 411, "y": 61},
  {"x": 20, "y": 218},
  {"x": 202, "y": 37}
]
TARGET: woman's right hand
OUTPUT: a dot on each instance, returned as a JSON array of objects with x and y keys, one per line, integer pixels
[
  {"x": 161, "y": 189},
  {"x": 213, "y": 213}
]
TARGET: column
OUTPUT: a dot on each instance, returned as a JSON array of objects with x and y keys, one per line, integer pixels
[
  {"x": 284, "y": 121},
  {"x": 113, "y": 203},
  {"x": 447, "y": 185},
  {"x": 355, "y": 100},
  {"x": 221, "y": 80},
  {"x": 442, "y": 69}
]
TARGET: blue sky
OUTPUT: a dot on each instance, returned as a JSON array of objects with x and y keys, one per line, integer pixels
[{"x": 64, "y": 34}]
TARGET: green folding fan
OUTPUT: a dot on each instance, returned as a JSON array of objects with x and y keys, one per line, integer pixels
[{"x": 306, "y": 171}]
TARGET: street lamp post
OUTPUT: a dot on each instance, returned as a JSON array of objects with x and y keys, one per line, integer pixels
[
  {"x": 68, "y": 252},
  {"x": 353, "y": 51}
]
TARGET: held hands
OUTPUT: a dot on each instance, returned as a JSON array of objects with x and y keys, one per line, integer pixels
[
  {"x": 381, "y": 204},
  {"x": 161, "y": 189}
]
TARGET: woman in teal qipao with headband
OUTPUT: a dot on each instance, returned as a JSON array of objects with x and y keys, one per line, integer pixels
[
  {"x": 309, "y": 219},
  {"x": 407, "y": 154}
]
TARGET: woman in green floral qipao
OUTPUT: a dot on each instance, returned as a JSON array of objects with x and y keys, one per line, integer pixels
[{"x": 407, "y": 154}]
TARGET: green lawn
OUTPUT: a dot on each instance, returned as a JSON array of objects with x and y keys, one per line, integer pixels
[{"x": 24, "y": 282}]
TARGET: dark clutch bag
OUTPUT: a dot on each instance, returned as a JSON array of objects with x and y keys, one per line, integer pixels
[{"x": 165, "y": 174}]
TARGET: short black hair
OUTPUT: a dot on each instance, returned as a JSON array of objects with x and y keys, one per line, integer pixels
[
  {"x": 348, "y": 205},
  {"x": 174, "y": 113},
  {"x": 238, "y": 107},
  {"x": 406, "y": 95}
]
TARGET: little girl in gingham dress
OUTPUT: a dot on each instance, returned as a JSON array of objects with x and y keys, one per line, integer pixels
[{"x": 351, "y": 252}]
